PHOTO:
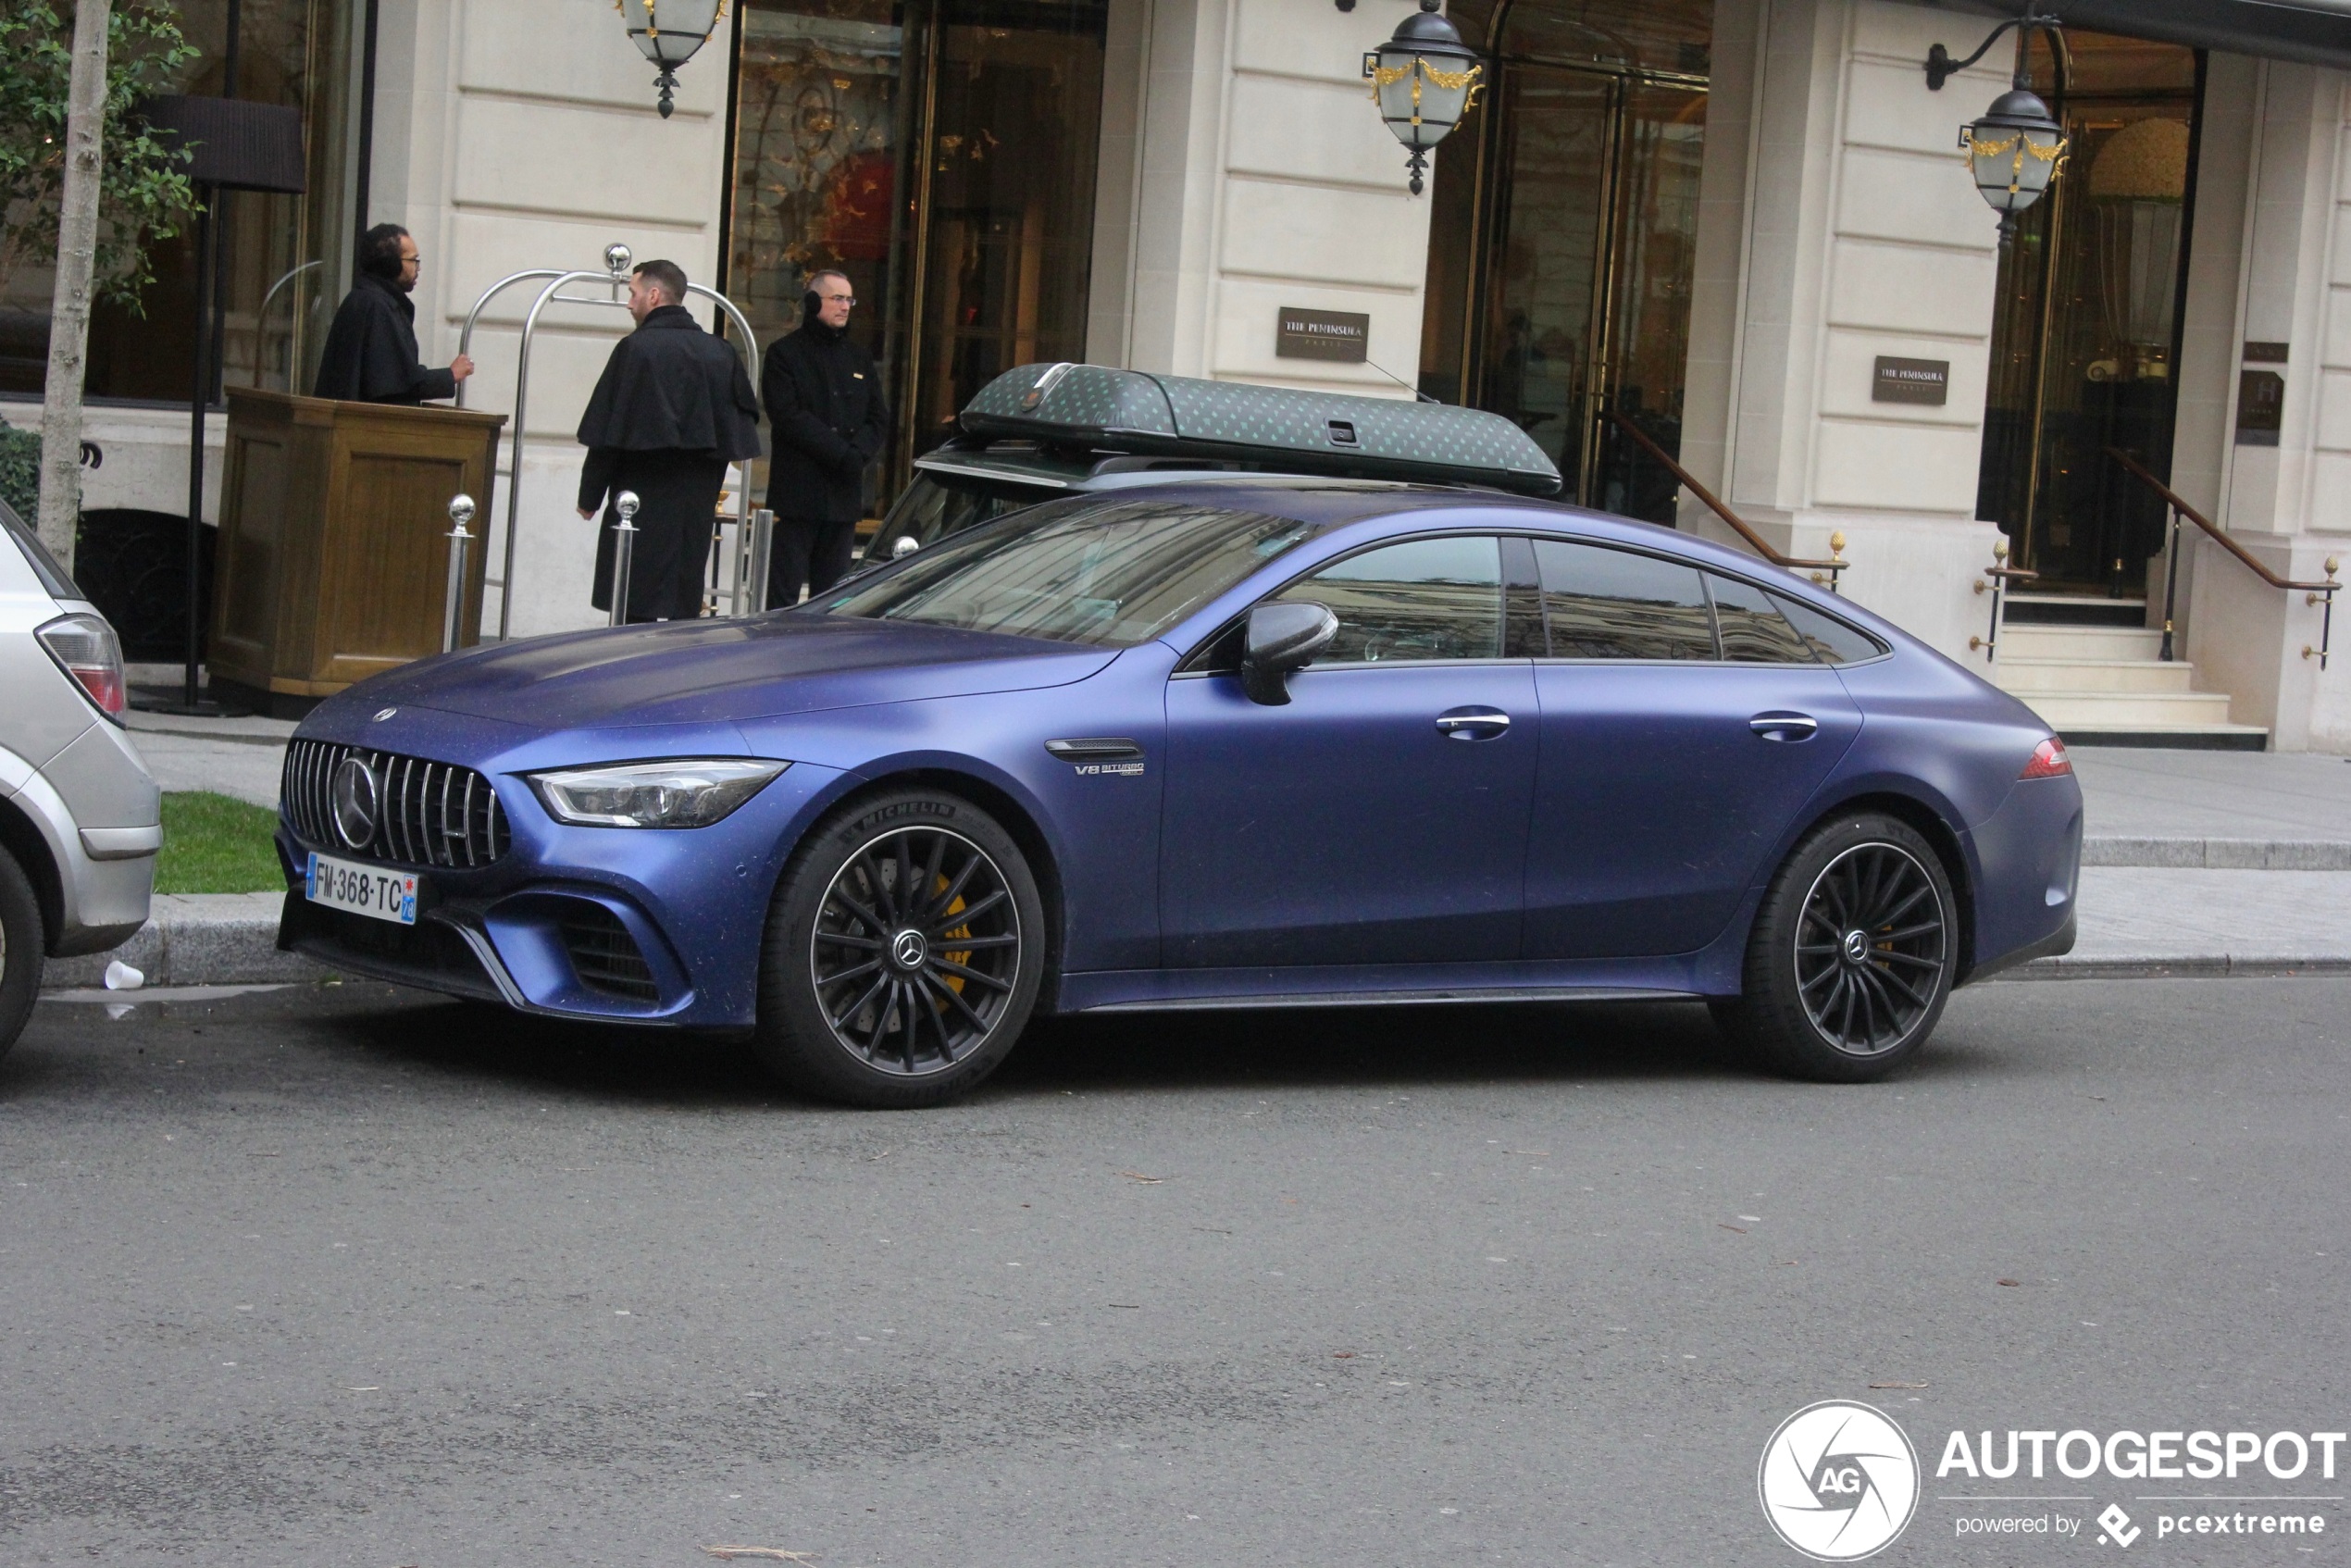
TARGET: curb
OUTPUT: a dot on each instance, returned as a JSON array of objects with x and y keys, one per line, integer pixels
[
  {"x": 2219, "y": 855},
  {"x": 194, "y": 939},
  {"x": 231, "y": 939},
  {"x": 2215, "y": 966}
]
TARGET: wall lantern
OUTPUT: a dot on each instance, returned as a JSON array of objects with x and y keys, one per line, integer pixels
[
  {"x": 1425, "y": 80},
  {"x": 667, "y": 32},
  {"x": 2017, "y": 147}
]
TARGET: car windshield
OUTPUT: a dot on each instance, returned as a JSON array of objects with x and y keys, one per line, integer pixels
[{"x": 1078, "y": 571}]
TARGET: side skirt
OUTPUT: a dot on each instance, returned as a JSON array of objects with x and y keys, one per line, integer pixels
[{"x": 1394, "y": 999}]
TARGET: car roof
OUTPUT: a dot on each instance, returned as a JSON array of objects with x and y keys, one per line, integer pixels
[{"x": 1098, "y": 407}]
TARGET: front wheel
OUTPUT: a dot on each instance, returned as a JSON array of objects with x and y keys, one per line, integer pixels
[
  {"x": 1852, "y": 954},
  {"x": 903, "y": 953}
]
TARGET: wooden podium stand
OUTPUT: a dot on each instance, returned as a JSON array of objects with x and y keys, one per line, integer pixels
[{"x": 332, "y": 562}]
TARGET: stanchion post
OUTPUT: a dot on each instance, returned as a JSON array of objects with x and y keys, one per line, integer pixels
[
  {"x": 461, "y": 512},
  {"x": 624, "y": 547},
  {"x": 752, "y": 587}
]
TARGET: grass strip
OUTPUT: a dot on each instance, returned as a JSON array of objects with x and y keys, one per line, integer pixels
[{"x": 215, "y": 845}]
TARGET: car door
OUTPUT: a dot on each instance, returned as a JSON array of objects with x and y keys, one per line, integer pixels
[
  {"x": 1379, "y": 816},
  {"x": 1683, "y": 723}
]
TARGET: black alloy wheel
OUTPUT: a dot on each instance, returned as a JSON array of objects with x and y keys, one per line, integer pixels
[
  {"x": 1852, "y": 954},
  {"x": 906, "y": 947},
  {"x": 915, "y": 951},
  {"x": 1870, "y": 948}
]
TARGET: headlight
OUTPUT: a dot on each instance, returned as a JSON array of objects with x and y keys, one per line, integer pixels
[{"x": 689, "y": 792}]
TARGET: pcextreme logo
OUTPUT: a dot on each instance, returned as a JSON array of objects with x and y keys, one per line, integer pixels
[{"x": 1839, "y": 1481}]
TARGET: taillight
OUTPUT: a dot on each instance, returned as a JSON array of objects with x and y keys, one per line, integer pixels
[
  {"x": 85, "y": 647},
  {"x": 2049, "y": 760}
]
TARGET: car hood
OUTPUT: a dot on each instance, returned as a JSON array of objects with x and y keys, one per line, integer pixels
[{"x": 716, "y": 671}]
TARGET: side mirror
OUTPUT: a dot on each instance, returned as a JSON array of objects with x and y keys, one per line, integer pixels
[{"x": 1279, "y": 638}]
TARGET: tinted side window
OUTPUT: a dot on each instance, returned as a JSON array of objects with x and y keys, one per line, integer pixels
[
  {"x": 1754, "y": 632},
  {"x": 1423, "y": 598},
  {"x": 1604, "y": 603},
  {"x": 1835, "y": 642}
]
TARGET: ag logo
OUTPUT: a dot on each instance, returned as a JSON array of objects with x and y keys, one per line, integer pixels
[{"x": 1839, "y": 1481}]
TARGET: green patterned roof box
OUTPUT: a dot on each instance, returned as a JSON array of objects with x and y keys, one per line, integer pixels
[
  {"x": 1070, "y": 402},
  {"x": 1287, "y": 431}
]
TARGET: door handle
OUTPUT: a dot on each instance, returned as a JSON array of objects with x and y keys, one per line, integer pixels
[
  {"x": 1472, "y": 723},
  {"x": 1784, "y": 726}
]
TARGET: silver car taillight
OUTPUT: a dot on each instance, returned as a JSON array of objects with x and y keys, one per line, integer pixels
[{"x": 85, "y": 647}]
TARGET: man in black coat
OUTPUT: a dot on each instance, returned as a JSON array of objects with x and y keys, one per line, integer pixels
[
  {"x": 825, "y": 410},
  {"x": 371, "y": 349},
  {"x": 672, "y": 409}
]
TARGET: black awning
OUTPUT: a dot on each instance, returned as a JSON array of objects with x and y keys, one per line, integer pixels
[
  {"x": 2315, "y": 32},
  {"x": 237, "y": 144}
]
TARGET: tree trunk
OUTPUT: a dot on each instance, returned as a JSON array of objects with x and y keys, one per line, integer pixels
[{"x": 69, "y": 313}]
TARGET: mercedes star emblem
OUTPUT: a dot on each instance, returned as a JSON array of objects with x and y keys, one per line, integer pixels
[{"x": 355, "y": 803}]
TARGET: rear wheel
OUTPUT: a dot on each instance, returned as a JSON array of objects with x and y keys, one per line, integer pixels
[
  {"x": 1852, "y": 954},
  {"x": 904, "y": 948},
  {"x": 22, "y": 943}
]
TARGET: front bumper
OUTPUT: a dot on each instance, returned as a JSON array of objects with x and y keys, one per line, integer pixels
[
  {"x": 104, "y": 876},
  {"x": 622, "y": 926}
]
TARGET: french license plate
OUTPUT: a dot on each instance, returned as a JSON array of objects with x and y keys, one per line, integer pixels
[{"x": 362, "y": 889}]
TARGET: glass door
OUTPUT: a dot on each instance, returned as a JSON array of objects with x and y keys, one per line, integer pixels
[
  {"x": 1562, "y": 241},
  {"x": 1541, "y": 332},
  {"x": 941, "y": 152},
  {"x": 2084, "y": 335}
]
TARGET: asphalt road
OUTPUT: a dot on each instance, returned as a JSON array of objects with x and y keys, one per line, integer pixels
[{"x": 340, "y": 1275}]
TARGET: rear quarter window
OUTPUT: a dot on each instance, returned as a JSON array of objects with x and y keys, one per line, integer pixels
[{"x": 1834, "y": 642}]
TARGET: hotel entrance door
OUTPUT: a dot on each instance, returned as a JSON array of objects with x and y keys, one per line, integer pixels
[
  {"x": 941, "y": 152},
  {"x": 1561, "y": 243},
  {"x": 2087, "y": 314}
]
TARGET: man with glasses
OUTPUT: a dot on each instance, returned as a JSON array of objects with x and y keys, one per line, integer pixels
[
  {"x": 825, "y": 406},
  {"x": 371, "y": 349}
]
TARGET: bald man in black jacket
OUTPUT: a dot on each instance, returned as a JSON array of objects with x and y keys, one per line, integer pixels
[{"x": 826, "y": 409}]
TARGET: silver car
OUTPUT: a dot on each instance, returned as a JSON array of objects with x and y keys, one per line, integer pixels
[{"x": 80, "y": 819}]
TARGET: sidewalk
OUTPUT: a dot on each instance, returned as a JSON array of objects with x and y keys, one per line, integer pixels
[
  {"x": 2241, "y": 810},
  {"x": 2195, "y": 863},
  {"x": 230, "y": 756}
]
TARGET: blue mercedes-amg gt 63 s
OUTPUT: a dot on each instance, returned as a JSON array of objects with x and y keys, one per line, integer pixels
[{"x": 1256, "y": 743}]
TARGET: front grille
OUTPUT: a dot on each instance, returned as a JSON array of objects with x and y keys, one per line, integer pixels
[
  {"x": 427, "y": 813},
  {"x": 603, "y": 954}
]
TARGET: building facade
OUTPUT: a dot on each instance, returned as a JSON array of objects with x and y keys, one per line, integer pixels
[{"x": 1738, "y": 232}]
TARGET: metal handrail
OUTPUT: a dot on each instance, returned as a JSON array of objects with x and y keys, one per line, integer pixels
[
  {"x": 261, "y": 317},
  {"x": 1823, "y": 572},
  {"x": 2315, "y": 592},
  {"x": 1997, "y": 578}
]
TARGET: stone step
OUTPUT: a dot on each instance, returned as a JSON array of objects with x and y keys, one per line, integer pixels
[
  {"x": 2065, "y": 710},
  {"x": 2018, "y": 641},
  {"x": 2074, "y": 609},
  {"x": 2023, "y": 676}
]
